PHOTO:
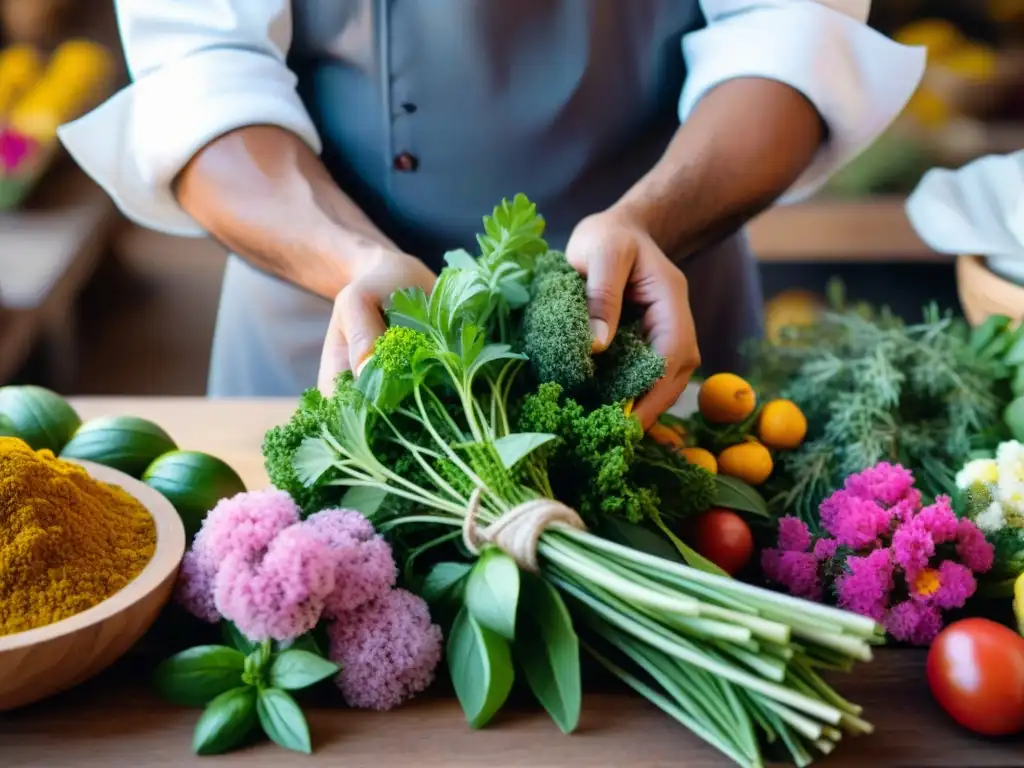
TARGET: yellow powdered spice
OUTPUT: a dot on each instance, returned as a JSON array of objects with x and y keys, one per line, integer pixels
[{"x": 67, "y": 542}]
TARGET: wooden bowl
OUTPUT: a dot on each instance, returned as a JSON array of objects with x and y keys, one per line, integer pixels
[
  {"x": 44, "y": 661},
  {"x": 983, "y": 292}
]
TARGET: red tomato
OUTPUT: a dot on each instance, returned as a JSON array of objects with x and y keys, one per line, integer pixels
[
  {"x": 724, "y": 538},
  {"x": 976, "y": 673}
]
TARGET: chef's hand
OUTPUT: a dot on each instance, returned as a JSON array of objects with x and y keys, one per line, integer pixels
[
  {"x": 357, "y": 320},
  {"x": 620, "y": 260}
]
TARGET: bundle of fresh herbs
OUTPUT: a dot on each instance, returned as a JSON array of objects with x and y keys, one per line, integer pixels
[
  {"x": 874, "y": 388},
  {"x": 454, "y": 439}
]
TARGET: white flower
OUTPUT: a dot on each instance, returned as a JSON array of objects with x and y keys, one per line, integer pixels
[
  {"x": 1010, "y": 461},
  {"x": 992, "y": 518},
  {"x": 1010, "y": 493},
  {"x": 984, "y": 471}
]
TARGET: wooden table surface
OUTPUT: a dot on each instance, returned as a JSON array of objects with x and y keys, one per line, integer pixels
[{"x": 115, "y": 720}]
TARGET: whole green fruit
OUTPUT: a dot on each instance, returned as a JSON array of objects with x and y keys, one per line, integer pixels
[
  {"x": 193, "y": 482},
  {"x": 125, "y": 443},
  {"x": 40, "y": 417}
]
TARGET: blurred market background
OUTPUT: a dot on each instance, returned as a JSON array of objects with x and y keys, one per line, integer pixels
[{"x": 90, "y": 304}]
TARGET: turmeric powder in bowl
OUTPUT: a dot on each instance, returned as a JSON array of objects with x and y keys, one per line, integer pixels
[{"x": 67, "y": 541}]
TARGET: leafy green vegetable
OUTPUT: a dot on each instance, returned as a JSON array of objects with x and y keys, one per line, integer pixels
[
  {"x": 225, "y": 722},
  {"x": 548, "y": 652},
  {"x": 874, "y": 389},
  {"x": 492, "y": 592},
  {"x": 295, "y": 669},
  {"x": 557, "y": 340},
  {"x": 481, "y": 669},
  {"x": 282, "y": 720},
  {"x": 196, "y": 676},
  {"x": 449, "y": 423},
  {"x": 736, "y": 495}
]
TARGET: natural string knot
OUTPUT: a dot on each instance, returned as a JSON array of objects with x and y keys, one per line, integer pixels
[{"x": 517, "y": 532}]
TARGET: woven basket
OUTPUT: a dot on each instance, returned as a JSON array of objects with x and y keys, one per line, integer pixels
[{"x": 983, "y": 292}]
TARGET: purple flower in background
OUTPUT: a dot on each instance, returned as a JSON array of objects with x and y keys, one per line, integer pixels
[
  {"x": 388, "y": 651},
  {"x": 885, "y": 483},
  {"x": 912, "y": 547},
  {"x": 364, "y": 567},
  {"x": 939, "y": 520}
]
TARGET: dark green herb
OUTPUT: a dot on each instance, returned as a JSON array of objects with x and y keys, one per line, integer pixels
[
  {"x": 196, "y": 676},
  {"x": 282, "y": 720},
  {"x": 225, "y": 722}
]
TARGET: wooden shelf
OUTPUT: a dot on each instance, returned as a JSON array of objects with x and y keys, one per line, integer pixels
[{"x": 872, "y": 230}]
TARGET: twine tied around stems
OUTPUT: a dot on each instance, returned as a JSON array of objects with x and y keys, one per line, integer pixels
[{"x": 517, "y": 532}]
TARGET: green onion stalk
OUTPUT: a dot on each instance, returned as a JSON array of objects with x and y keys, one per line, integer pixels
[{"x": 425, "y": 439}]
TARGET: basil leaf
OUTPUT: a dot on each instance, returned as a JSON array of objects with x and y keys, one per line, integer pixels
[
  {"x": 292, "y": 670},
  {"x": 515, "y": 447},
  {"x": 282, "y": 720},
  {"x": 444, "y": 582},
  {"x": 480, "y": 664},
  {"x": 492, "y": 592},
  {"x": 225, "y": 722},
  {"x": 195, "y": 676},
  {"x": 739, "y": 496},
  {"x": 548, "y": 652},
  {"x": 1015, "y": 355},
  {"x": 233, "y": 637},
  {"x": 1017, "y": 386},
  {"x": 363, "y": 499}
]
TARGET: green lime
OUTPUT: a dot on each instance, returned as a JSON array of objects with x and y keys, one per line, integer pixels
[
  {"x": 7, "y": 427},
  {"x": 127, "y": 443},
  {"x": 41, "y": 418},
  {"x": 193, "y": 482}
]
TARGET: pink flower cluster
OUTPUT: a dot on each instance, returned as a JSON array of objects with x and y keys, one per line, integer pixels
[
  {"x": 884, "y": 555},
  {"x": 257, "y": 564}
]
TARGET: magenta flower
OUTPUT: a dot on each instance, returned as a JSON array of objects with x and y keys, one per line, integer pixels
[
  {"x": 881, "y": 545},
  {"x": 913, "y": 622},
  {"x": 15, "y": 148},
  {"x": 282, "y": 596},
  {"x": 956, "y": 585},
  {"x": 825, "y": 549},
  {"x": 865, "y": 588},
  {"x": 972, "y": 547},
  {"x": 364, "y": 567},
  {"x": 858, "y": 523},
  {"x": 245, "y": 524},
  {"x": 939, "y": 520},
  {"x": 388, "y": 651},
  {"x": 912, "y": 547},
  {"x": 794, "y": 535},
  {"x": 797, "y": 571},
  {"x": 884, "y": 483}
]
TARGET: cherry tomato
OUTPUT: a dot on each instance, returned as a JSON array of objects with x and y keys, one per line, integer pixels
[
  {"x": 724, "y": 538},
  {"x": 976, "y": 673}
]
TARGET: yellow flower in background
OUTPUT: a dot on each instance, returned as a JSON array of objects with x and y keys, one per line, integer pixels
[
  {"x": 21, "y": 66},
  {"x": 939, "y": 36}
]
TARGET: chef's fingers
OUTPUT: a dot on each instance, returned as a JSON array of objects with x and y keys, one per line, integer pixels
[
  {"x": 674, "y": 337},
  {"x": 607, "y": 272},
  {"x": 334, "y": 358},
  {"x": 361, "y": 322}
]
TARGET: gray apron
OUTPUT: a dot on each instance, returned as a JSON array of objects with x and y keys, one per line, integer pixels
[{"x": 432, "y": 112}]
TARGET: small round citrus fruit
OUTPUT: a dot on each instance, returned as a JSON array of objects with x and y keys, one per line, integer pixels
[
  {"x": 726, "y": 398},
  {"x": 701, "y": 457},
  {"x": 781, "y": 425},
  {"x": 749, "y": 461},
  {"x": 666, "y": 436}
]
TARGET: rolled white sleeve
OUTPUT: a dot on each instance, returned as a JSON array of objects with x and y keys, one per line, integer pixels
[
  {"x": 857, "y": 79},
  {"x": 200, "y": 68}
]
